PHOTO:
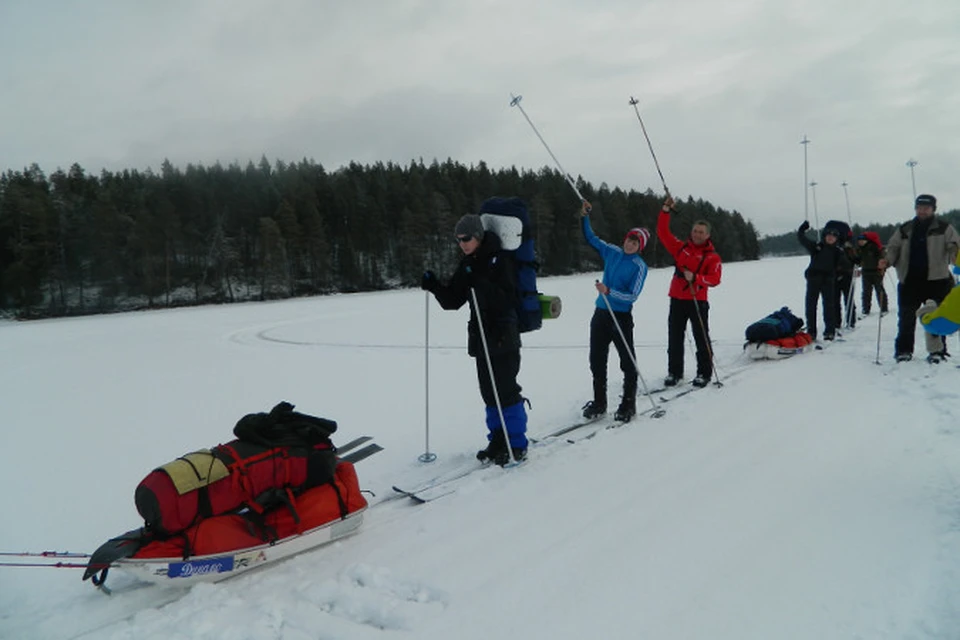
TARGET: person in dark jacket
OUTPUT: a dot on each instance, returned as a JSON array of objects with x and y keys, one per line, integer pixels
[
  {"x": 697, "y": 269},
  {"x": 869, "y": 253},
  {"x": 490, "y": 273},
  {"x": 826, "y": 261},
  {"x": 624, "y": 273}
]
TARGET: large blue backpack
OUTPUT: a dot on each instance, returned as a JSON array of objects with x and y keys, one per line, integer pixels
[
  {"x": 778, "y": 324},
  {"x": 510, "y": 220}
]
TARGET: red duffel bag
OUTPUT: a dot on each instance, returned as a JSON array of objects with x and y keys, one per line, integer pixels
[{"x": 275, "y": 457}]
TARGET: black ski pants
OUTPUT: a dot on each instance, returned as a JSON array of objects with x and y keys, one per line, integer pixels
[
  {"x": 910, "y": 295},
  {"x": 821, "y": 286},
  {"x": 847, "y": 316},
  {"x": 602, "y": 333},
  {"x": 506, "y": 368},
  {"x": 697, "y": 313},
  {"x": 872, "y": 281}
]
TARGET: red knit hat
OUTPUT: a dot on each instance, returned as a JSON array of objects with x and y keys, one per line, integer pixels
[{"x": 639, "y": 234}]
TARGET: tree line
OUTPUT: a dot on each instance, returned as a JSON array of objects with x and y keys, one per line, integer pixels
[
  {"x": 75, "y": 243},
  {"x": 786, "y": 244}
]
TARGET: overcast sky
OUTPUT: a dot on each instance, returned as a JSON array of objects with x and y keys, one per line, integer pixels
[{"x": 727, "y": 90}]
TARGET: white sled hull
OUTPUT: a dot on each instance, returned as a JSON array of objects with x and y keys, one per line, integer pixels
[{"x": 213, "y": 568}]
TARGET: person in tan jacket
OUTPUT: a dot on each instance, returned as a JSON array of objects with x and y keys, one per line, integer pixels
[{"x": 921, "y": 251}]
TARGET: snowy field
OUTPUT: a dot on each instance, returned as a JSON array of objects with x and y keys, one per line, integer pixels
[{"x": 815, "y": 497}]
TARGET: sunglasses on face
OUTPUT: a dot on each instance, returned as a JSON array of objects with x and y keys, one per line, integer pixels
[{"x": 464, "y": 239}]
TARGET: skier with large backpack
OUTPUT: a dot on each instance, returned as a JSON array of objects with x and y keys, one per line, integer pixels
[
  {"x": 870, "y": 252},
  {"x": 624, "y": 273},
  {"x": 821, "y": 274},
  {"x": 487, "y": 279},
  {"x": 846, "y": 315}
]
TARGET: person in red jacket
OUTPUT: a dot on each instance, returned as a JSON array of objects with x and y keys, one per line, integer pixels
[{"x": 697, "y": 269}]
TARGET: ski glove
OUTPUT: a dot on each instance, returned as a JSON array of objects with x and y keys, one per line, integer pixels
[
  {"x": 804, "y": 226},
  {"x": 429, "y": 281}
]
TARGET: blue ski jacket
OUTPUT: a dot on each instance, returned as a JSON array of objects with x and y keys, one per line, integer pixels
[{"x": 623, "y": 274}]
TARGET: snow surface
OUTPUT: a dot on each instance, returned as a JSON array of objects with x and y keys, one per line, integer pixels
[{"x": 814, "y": 497}]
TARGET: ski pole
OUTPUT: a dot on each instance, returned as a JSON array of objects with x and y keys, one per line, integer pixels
[
  {"x": 883, "y": 279},
  {"x": 657, "y": 411},
  {"x": 49, "y": 565},
  {"x": 43, "y": 554},
  {"x": 706, "y": 337},
  {"x": 493, "y": 381},
  {"x": 426, "y": 456},
  {"x": 851, "y": 305},
  {"x": 879, "y": 321},
  {"x": 515, "y": 102},
  {"x": 634, "y": 102}
]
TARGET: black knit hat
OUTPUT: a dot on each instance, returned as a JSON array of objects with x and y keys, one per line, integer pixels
[
  {"x": 470, "y": 225},
  {"x": 926, "y": 198}
]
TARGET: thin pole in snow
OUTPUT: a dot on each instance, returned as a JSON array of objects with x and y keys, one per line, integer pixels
[
  {"x": 426, "y": 456},
  {"x": 493, "y": 380}
]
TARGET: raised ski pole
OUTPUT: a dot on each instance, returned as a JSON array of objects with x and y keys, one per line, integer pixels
[
  {"x": 515, "y": 102},
  {"x": 706, "y": 338},
  {"x": 634, "y": 102},
  {"x": 658, "y": 412},
  {"x": 493, "y": 381},
  {"x": 426, "y": 456}
]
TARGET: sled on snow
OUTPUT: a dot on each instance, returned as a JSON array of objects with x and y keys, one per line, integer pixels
[
  {"x": 779, "y": 348},
  {"x": 776, "y": 336},
  {"x": 278, "y": 490}
]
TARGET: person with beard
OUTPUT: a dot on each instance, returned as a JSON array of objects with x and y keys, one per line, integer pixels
[
  {"x": 697, "y": 269},
  {"x": 921, "y": 251}
]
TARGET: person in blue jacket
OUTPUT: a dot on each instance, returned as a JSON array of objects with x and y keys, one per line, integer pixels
[{"x": 624, "y": 273}]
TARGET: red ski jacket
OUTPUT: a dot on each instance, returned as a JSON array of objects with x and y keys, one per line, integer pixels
[{"x": 702, "y": 260}]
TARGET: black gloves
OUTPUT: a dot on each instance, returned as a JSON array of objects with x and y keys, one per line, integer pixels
[
  {"x": 804, "y": 226},
  {"x": 429, "y": 281}
]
